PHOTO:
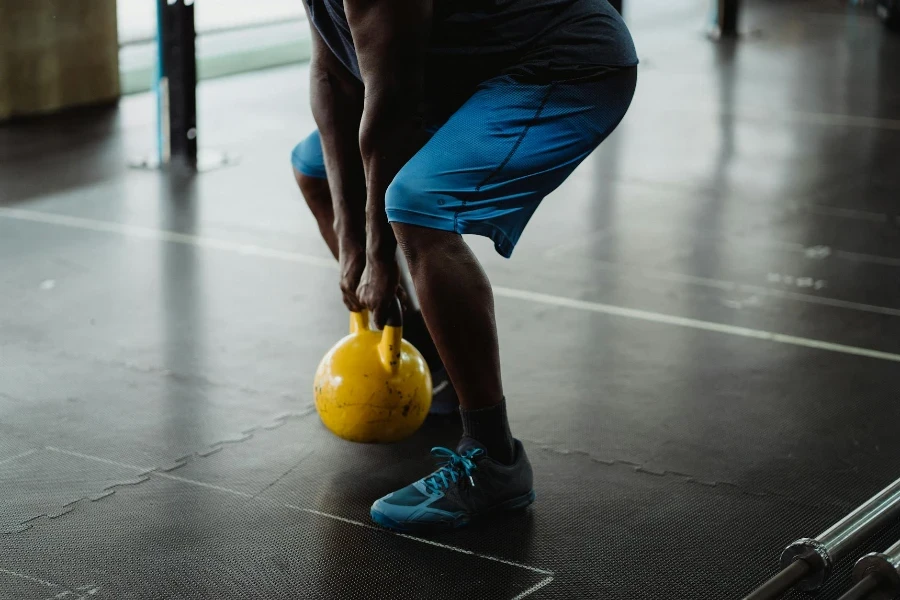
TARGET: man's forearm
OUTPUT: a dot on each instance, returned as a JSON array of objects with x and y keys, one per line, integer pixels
[
  {"x": 337, "y": 108},
  {"x": 390, "y": 39},
  {"x": 391, "y": 133}
]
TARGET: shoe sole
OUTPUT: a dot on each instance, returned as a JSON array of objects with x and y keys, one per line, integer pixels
[{"x": 385, "y": 521}]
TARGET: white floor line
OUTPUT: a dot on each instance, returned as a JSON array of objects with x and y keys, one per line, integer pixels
[
  {"x": 82, "y": 593},
  {"x": 653, "y": 317},
  {"x": 421, "y": 540},
  {"x": 17, "y": 456},
  {"x": 814, "y": 118},
  {"x": 149, "y": 233},
  {"x": 887, "y": 261},
  {"x": 30, "y": 578},
  {"x": 200, "y": 484},
  {"x": 149, "y": 471},
  {"x": 299, "y": 508},
  {"x": 820, "y": 300},
  {"x": 486, "y": 556},
  {"x": 89, "y": 590},
  {"x": 733, "y": 286},
  {"x": 333, "y": 517},
  {"x": 847, "y": 120},
  {"x": 97, "y": 459},
  {"x": 504, "y": 292},
  {"x": 534, "y": 588}
]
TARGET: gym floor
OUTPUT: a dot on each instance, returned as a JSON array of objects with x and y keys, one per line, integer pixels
[{"x": 700, "y": 333}]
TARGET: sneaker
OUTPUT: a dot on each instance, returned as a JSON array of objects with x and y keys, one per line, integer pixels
[
  {"x": 468, "y": 485},
  {"x": 443, "y": 395}
]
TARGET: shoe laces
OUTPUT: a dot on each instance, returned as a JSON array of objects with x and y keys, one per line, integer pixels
[{"x": 454, "y": 467}]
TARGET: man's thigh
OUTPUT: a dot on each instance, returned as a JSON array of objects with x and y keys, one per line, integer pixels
[{"x": 486, "y": 170}]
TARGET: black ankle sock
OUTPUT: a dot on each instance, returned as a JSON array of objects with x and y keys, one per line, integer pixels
[
  {"x": 490, "y": 427},
  {"x": 416, "y": 333}
]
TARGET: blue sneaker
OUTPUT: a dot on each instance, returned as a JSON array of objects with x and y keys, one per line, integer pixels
[{"x": 468, "y": 485}]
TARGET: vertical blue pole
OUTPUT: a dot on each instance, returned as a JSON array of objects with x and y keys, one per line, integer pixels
[
  {"x": 724, "y": 17},
  {"x": 176, "y": 85},
  {"x": 158, "y": 86}
]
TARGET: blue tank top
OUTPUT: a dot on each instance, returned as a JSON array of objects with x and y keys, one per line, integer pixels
[{"x": 537, "y": 41}]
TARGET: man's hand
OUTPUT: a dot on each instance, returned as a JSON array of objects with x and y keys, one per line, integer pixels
[
  {"x": 353, "y": 263},
  {"x": 378, "y": 288}
]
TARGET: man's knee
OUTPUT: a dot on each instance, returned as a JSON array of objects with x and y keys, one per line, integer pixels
[
  {"x": 397, "y": 199},
  {"x": 410, "y": 203},
  {"x": 408, "y": 242},
  {"x": 421, "y": 244},
  {"x": 307, "y": 157}
]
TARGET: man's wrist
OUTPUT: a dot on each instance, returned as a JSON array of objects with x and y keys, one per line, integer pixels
[
  {"x": 351, "y": 245},
  {"x": 380, "y": 242},
  {"x": 381, "y": 252},
  {"x": 349, "y": 232}
]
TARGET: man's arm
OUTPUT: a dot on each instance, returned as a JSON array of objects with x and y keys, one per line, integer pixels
[
  {"x": 390, "y": 38},
  {"x": 337, "y": 104}
]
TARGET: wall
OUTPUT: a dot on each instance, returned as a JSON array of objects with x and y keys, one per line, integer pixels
[{"x": 56, "y": 54}]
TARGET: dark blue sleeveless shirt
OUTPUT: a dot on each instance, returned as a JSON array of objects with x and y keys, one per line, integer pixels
[{"x": 538, "y": 41}]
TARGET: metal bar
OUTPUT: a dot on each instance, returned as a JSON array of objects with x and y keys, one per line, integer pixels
[
  {"x": 835, "y": 542},
  {"x": 883, "y": 569},
  {"x": 781, "y": 583},
  {"x": 889, "y": 13},
  {"x": 894, "y": 553},
  {"x": 861, "y": 590},
  {"x": 177, "y": 87},
  {"x": 139, "y": 41},
  {"x": 162, "y": 94},
  {"x": 806, "y": 564},
  {"x": 863, "y": 522},
  {"x": 727, "y": 17}
]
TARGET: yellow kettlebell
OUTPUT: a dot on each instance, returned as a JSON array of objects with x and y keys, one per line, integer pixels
[{"x": 373, "y": 386}]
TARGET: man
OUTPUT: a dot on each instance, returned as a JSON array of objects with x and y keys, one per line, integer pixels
[{"x": 446, "y": 117}]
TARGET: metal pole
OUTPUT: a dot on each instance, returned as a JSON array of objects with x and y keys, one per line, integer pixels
[
  {"x": 820, "y": 553},
  {"x": 140, "y": 41},
  {"x": 781, "y": 583},
  {"x": 725, "y": 19},
  {"x": 728, "y": 17},
  {"x": 160, "y": 88},
  {"x": 889, "y": 13},
  {"x": 177, "y": 82},
  {"x": 882, "y": 568},
  {"x": 863, "y": 589},
  {"x": 845, "y": 535}
]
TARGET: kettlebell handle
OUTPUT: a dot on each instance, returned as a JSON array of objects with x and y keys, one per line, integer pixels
[
  {"x": 395, "y": 316},
  {"x": 389, "y": 348},
  {"x": 359, "y": 321}
]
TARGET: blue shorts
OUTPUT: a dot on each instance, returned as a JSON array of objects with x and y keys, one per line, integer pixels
[{"x": 486, "y": 169}]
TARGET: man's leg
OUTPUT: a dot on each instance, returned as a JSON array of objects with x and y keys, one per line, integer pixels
[
  {"x": 318, "y": 198},
  {"x": 458, "y": 305},
  {"x": 309, "y": 172},
  {"x": 484, "y": 172}
]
